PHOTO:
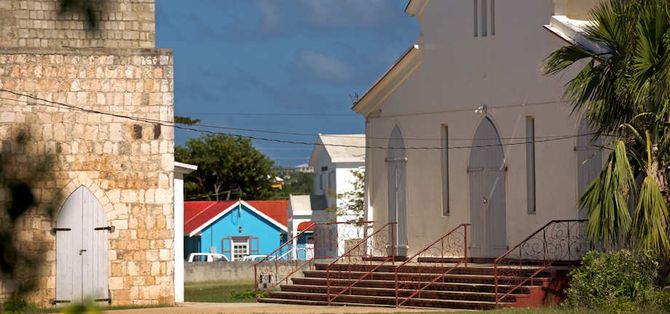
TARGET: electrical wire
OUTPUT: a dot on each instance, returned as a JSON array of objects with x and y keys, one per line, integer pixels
[{"x": 60, "y": 105}]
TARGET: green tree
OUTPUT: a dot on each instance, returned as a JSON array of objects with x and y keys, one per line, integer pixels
[
  {"x": 624, "y": 94},
  {"x": 295, "y": 183},
  {"x": 186, "y": 120},
  {"x": 226, "y": 165}
]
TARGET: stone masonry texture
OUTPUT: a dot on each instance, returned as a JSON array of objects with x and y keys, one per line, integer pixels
[
  {"x": 39, "y": 24},
  {"x": 127, "y": 164}
]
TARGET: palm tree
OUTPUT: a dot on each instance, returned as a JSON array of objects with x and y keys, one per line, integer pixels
[{"x": 625, "y": 96}]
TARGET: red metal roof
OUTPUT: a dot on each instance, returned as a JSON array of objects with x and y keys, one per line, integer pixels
[
  {"x": 306, "y": 225},
  {"x": 198, "y": 213}
]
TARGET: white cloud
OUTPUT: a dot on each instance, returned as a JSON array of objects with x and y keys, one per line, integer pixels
[
  {"x": 346, "y": 13},
  {"x": 326, "y": 68}
]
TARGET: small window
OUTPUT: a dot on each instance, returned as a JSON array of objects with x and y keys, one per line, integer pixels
[
  {"x": 331, "y": 181},
  {"x": 484, "y": 18},
  {"x": 322, "y": 179},
  {"x": 476, "y": 14},
  {"x": 445, "y": 170},
  {"x": 493, "y": 17},
  {"x": 240, "y": 250},
  {"x": 530, "y": 164}
]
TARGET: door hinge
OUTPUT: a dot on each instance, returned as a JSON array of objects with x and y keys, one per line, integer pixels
[
  {"x": 54, "y": 301},
  {"x": 108, "y": 300},
  {"x": 108, "y": 228},
  {"x": 54, "y": 230}
]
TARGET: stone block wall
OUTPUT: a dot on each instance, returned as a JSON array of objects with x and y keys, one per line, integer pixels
[
  {"x": 127, "y": 164},
  {"x": 38, "y": 24}
]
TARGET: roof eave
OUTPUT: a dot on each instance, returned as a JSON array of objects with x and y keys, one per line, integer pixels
[
  {"x": 560, "y": 26},
  {"x": 404, "y": 65},
  {"x": 316, "y": 151},
  {"x": 231, "y": 207},
  {"x": 184, "y": 168},
  {"x": 415, "y": 7}
]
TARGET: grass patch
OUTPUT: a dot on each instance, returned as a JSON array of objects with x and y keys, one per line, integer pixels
[{"x": 220, "y": 291}]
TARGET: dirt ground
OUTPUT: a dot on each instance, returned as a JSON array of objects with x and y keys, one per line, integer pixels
[{"x": 230, "y": 308}]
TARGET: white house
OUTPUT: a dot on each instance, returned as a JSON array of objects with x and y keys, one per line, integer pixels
[
  {"x": 180, "y": 169},
  {"x": 474, "y": 132},
  {"x": 303, "y": 211},
  {"x": 334, "y": 159}
]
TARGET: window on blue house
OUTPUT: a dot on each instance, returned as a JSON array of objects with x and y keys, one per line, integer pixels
[{"x": 240, "y": 249}]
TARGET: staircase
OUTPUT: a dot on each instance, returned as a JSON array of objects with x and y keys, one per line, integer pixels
[
  {"x": 472, "y": 287},
  {"x": 441, "y": 275}
]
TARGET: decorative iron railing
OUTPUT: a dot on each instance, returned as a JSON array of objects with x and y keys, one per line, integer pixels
[
  {"x": 375, "y": 250},
  {"x": 329, "y": 239},
  {"x": 432, "y": 263},
  {"x": 559, "y": 241}
]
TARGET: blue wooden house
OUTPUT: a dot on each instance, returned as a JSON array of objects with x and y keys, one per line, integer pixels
[{"x": 238, "y": 229}]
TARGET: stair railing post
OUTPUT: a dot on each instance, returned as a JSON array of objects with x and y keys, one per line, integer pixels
[
  {"x": 495, "y": 279},
  {"x": 465, "y": 243},
  {"x": 316, "y": 242},
  {"x": 328, "y": 285},
  {"x": 393, "y": 242},
  {"x": 396, "y": 287},
  {"x": 256, "y": 282},
  {"x": 544, "y": 244}
]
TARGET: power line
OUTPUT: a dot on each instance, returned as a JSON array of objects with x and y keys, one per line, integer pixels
[
  {"x": 268, "y": 114},
  {"x": 55, "y": 104},
  {"x": 369, "y": 137}
]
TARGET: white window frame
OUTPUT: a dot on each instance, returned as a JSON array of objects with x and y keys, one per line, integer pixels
[
  {"x": 445, "y": 170},
  {"x": 235, "y": 253},
  {"x": 531, "y": 196}
]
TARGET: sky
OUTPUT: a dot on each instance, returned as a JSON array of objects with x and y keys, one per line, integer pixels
[{"x": 287, "y": 66}]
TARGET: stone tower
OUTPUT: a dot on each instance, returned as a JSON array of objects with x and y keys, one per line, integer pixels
[{"x": 101, "y": 102}]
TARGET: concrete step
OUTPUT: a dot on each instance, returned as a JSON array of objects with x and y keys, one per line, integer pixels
[
  {"x": 460, "y": 278},
  {"x": 488, "y": 260},
  {"x": 436, "y": 269},
  {"x": 402, "y": 293},
  {"x": 308, "y": 302},
  {"x": 386, "y": 284},
  {"x": 388, "y": 301}
]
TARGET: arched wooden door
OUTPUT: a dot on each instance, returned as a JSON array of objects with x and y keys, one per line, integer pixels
[
  {"x": 396, "y": 161},
  {"x": 81, "y": 249},
  {"x": 487, "y": 193}
]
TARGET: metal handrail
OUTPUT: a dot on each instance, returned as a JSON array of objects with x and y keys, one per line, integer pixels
[
  {"x": 308, "y": 261},
  {"x": 545, "y": 262},
  {"x": 348, "y": 254},
  {"x": 426, "y": 248},
  {"x": 278, "y": 249}
]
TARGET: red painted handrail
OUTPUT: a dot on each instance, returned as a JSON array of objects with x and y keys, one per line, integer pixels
[
  {"x": 545, "y": 261},
  {"x": 278, "y": 249},
  {"x": 298, "y": 266},
  {"x": 425, "y": 249},
  {"x": 348, "y": 253}
]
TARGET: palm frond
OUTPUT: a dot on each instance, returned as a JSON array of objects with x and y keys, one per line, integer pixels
[
  {"x": 605, "y": 200},
  {"x": 649, "y": 230}
]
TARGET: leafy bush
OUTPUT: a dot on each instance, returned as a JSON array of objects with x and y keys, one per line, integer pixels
[
  {"x": 661, "y": 300},
  {"x": 14, "y": 304},
  {"x": 617, "y": 281}
]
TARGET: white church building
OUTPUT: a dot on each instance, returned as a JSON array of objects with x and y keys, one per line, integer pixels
[{"x": 476, "y": 133}]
